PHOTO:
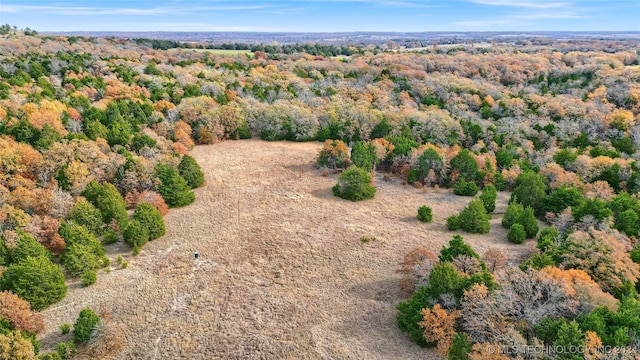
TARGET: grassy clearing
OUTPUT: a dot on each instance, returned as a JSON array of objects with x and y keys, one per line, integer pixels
[{"x": 283, "y": 270}]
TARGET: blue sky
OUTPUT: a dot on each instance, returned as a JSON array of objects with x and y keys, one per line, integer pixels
[{"x": 324, "y": 15}]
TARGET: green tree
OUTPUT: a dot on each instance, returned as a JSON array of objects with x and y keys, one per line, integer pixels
[
  {"x": 135, "y": 235},
  {"x": 48, "y": 136},
  {"x": 354, "y": 184},
  {"x": 119, "y": 133},
  {"x": 85, "y": 214},
  {"x": 429, "y": 160},
  {"x": 85, "y": 326},
  {"x": 190, "y": 171},
  {"x": 530, "y": 191},
  {"x": 528, "y": 220},
  {"x": 26, "y": 247},
  {"x": 363, "y": 155},
  {"x": 151, "y": 219},
  {"x": 456, "y": 247},
  {"x": 464, "y": 165},
  {"x": 516, "y": 234},
  {"x": 474, "y": 218},
  {"x": 465, "y": 188},
  {"x": 37, "y": 280},
  {"x": 460, "y": 347},
  {"x": 562, "y": 198},
  {"x": 488, "y": 198},
  {"x": 512, "y": 214},
  {"x": 83, "y": 250},
  {"x": 594, "y": 207},
  {"x": 424, "y": 214},
  {"x": 628, "y": 222},
  {"x": 569, "y": 337},
  {"x": 108, "y": 200},
  {"x": 173, "y": 188}
]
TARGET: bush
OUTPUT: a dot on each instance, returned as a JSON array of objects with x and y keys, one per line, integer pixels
[
  {"x": 173, "y": 188},
  {"x": 488, "y": 198},
  {"x": 516, "y": 234},
  {"x": 354, "y": 184},
  {"x": 465, "y": 188},
  {"x": 474, "y": 218},
  {"x": 460, "y": 347},
  {"x": 151, "y": 219},
  {"x": 66, "y": 350},
  {"x": 85, "y": 214},
  {"x": 83, "y": 251},
  {"x": 26, "y": 247},
  {"x": 528, "y": 220},
  {"x": 65, "y": 328},
  {"x": 88, "y": 278},
  {"x": 530, "y": 191},
  {"x": 334, "y": 154},
  {"x": 110, "y": 237},
  {"x": 512, "y": 214},
  {"x": 363, "y": 155},
  {"x": 456, "y": 247},
  {"x": 108, "y": 200},
  {"x": 595, "y": 207},
  {"x": 191, "y": 172},
  {"x": 37, "y": 280},
  {"x": 464, "y": 165},
  {"x": 85, "y": 325},
  {"x": 562, "y": 198},
  {"x": 453, "y": 223},
  {"x": 424, "y": 214},
  {"x": 50, "y": 356},
  {"x": 136, "y": 235}
]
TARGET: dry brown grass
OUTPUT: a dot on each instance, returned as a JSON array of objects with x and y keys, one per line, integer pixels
[{"x": 282, "y": 271}]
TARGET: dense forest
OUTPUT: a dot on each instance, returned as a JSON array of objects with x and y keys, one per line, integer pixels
[{"x": 95, "y": 147}]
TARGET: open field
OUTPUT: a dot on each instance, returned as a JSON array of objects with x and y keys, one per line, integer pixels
[{"x": 282, "y": 271}]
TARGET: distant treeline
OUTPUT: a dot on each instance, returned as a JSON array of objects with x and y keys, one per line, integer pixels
[{"x": 312, "y": 49}]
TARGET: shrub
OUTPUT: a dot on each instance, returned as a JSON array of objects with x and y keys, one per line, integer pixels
[
  {"x": 528, "y": 220},
  {"x": 50, "y": 356},
  {"x": 37, "y": 280},
  {"x": 79, "y": 258},
  {"x": 363, "y": 155},
  {"x": 424, "y": 214},
  {"x": 464, "y": 165},
  {"x": 465, "y": 188},
  {"x": 453, "y": 223},
  {"x": 110, "y": 237},
  {"x": 151, "y": 219},
  {"x": 562, "y": 198},
  {"x": 595, "y": 207},
  {"x": 516, "y": 234},
  {"x": 409, "y": 315},
  {"x": 65, "y": 328},
  {"x": 88, "y": 278},
  {"x": 530, "y": 191},
  {"x": 474, "y": 218},
  {"x": 628, "y": 223},
  {"x": 17, "y": 312},
  {"x": 354, "y": 184},
  {"x": 512, "y": 214},
  {"x": 456, "y": 247},
  {"x": 26, "y": 247},
  {"x": 85, "y": 325},
  {"x": 429, "y": 160},
  {"x": 173, "y": 188},
  {"x": 135, "y": 235},
  {"x": 85, "y": 214},
  {"x": 488, "y": 198},
  {"x": 66, "y": 350},
  {"x": 108, "y": 200},
  {"x": 460, "y": 347},
  {"x": 190, "y": 171},
  {"x": 334, "y": 154}
]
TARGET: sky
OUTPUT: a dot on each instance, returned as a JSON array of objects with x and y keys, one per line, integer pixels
[{"x": 322, "y": 15}]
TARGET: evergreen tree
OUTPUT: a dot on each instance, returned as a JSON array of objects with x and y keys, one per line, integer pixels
[
  {"x": 173, "y": 188},
  {"x": 488, "y": 198},
  {"x": 474, "y": 218},
  {"x": 191, "y": 172},
  {"x": 151, "y": 219},
  {"x": 354, "y": 184},
  {"x": 530, "y": 191},
  {"x": 363, "y": 155},
  {"x": 85, "y": 325},
  {"x": 37, "y": 280}
]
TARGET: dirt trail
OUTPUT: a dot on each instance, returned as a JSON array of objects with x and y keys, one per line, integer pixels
[{"x": 282, "y": 271}]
